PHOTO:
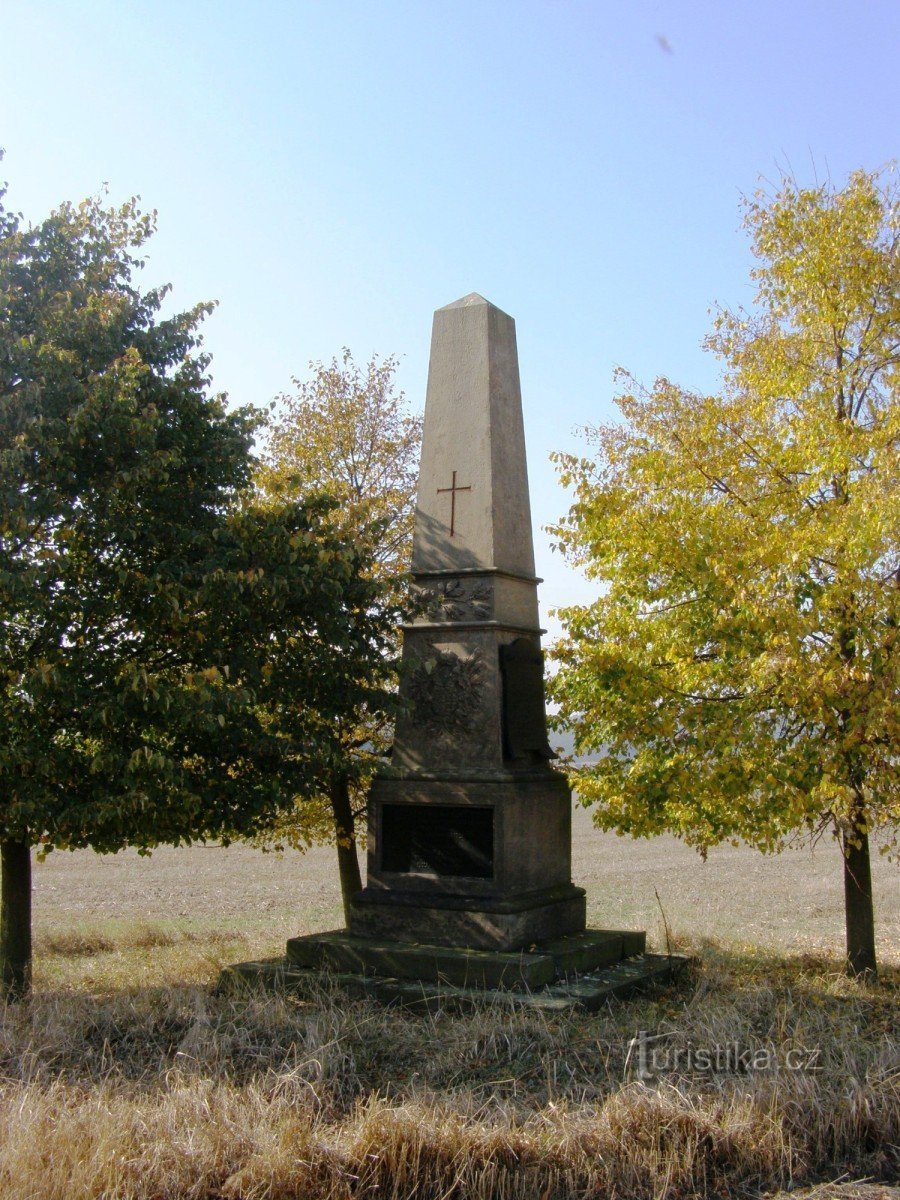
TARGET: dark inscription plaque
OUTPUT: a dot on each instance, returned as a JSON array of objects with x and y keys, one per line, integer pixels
[
  {"x": 524, "y": 719},
  {"x": 438, "y": 839}
]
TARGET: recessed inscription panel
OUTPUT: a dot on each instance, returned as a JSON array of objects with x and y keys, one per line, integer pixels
[{"x": 438, "y": 839}]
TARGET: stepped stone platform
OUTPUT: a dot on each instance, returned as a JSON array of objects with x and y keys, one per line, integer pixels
[{"x": 579, "y": 971}]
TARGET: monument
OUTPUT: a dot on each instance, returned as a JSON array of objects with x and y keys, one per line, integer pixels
[
  {"x": 469, "y": 831},
  {"x": 469, "y": 837}
]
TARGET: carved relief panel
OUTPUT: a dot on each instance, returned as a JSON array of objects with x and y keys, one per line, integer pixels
[{"x": 463, "y": 600}]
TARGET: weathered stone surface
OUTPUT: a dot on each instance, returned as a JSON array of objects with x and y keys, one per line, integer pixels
[
  {"x": 455, "y": 922},
  {"x": 473, "y": 511},
  {"x": 524, "y": 720},
  {"x": 633, "y": 942},
  {"x": 591, "y": 991},
  {"x": 592, "y": 949},
  {"x": 403, "y": 960},
  {"x": 531, "y": 820},
  {"x": 621, "y": 980},
  {"x": 465, "y": 712},
  {"x": 424, "y": 997}
]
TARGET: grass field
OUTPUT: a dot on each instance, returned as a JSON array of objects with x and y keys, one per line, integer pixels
[{"x": 126, "y": 1076}]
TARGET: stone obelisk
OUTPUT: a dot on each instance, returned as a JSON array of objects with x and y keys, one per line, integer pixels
[
  {"x": 469, "y": 834},
  {"x": 469, "y": 845}
]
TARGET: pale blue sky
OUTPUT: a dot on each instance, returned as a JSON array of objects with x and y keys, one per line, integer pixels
[{"x": 333, "y": 172}]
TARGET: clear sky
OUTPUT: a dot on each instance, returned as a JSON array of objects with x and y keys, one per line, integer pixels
[{"x": 332, "y": 172}]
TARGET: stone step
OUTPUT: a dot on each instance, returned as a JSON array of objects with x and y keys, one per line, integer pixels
[
  {"x": 340, "y": 951},
  {"x": 271, "y": 974},
  {"x": 561, "y": 958},
  {"x": 589, "y": 992},
  {"x": 622, "y": 979},
  {"x": 581, "y": 952},
  {"x": 418, "y": 996}
]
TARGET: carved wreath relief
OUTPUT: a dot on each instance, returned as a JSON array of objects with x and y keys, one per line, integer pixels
[{"x": 458, "y": 600}]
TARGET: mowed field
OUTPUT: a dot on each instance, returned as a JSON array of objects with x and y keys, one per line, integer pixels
[{"x": 790, "y": 903}]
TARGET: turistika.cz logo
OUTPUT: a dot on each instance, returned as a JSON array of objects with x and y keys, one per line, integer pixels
[{"x": 650, "y": 1055}]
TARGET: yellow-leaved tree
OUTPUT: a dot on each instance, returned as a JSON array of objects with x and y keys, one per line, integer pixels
[
  {"x": 738, "y": 674},
  {"x": 346, "y": 431}
]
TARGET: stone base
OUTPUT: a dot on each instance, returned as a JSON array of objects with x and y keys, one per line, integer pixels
[
  {"x": 509, "y": 924},
  {"x": 588, "y": 992},
  {"x": 581, "y": 972},
  {"x": 463, "y": 966}
]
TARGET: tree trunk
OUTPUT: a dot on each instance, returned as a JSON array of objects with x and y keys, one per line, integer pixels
[
  {"x": 15, "y": 919},
  {"x": 345, "y": 835},
  {"x": 858, "y": 908}
]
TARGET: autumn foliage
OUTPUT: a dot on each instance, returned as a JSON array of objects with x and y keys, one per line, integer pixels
[{"x": 738, "y": 673}]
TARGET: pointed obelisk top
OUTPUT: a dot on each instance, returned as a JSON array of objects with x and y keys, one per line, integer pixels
[
  {"x": 468, "y": 301},
  {"x": 473, "y": 511}
]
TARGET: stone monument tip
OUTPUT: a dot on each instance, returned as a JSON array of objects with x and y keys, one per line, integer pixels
[{"x": 473, "y": 298}]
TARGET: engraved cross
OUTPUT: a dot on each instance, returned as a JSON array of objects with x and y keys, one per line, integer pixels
[{"x": 453, "y": 489}]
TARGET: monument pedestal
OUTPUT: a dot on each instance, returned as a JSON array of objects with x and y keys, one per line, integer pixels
[{"x": 481, "y": 862}]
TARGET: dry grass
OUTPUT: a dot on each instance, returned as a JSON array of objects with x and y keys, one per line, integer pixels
[
  {"x": 126, "y": 1077},
  {"x": 164, "y": 1090}
]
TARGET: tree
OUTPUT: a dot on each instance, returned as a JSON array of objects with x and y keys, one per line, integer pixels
[
  {"x": 153, "y": 618},
  {"x": 346, "y": 431},
  {"x": 739, "y": 674}
]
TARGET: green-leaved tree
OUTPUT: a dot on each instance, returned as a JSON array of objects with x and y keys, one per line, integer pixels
[
  {"x": 738, "y": 674},
  {"x": 173, "y": 655},
  {"x": 347, "y": 431}
]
